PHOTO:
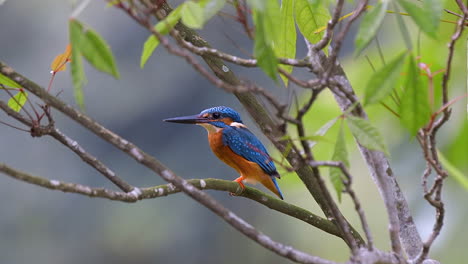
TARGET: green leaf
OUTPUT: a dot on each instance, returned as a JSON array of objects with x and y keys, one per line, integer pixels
[
  {"x": 271, "y": 21},
  {"x": 98, "y": 53},
  {"x": 192, "y": 15},
  {"x": 148, "y": 48},
  {"x": 316, "y": 3},
  {"x": 423, "y": 17},
  {"x": 263, "y": 45},
  {"x": 434, "y": 9},
  {"x": 8, "y": 82},
  {"x": 211, "y": 7},
  {"x": 77, "y": 72},
  {"x": 453, "y": 171},
  {"x": 370, "y": 24},
  {"x": 17, "y": 102},
  {"x": 285, "y": 46},
  {"x": 314, "y": 138},
  {"x": 340, "y": 154},
  {"x": 114, "y": 2},
  {"x": 402, "y": 26},
  {"x": 456, "y": 148},
  {"x": 383, "y": 81},
  {"x": 323, "y": 130},
  {"x": 163, "y": 27},
  {"x": 258, "y": 5},
  {"x": 414, "y": 106},
  {"x": 309, "y": 19},
  {"x": 366, "y": 134},
  {"x": 286, "y": 151}
]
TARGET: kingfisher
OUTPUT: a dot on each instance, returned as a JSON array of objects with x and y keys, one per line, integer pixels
[{"x": 235, "y": 145}]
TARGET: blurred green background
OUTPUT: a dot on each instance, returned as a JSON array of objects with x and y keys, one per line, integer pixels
[{"x": 42, "y": 226}]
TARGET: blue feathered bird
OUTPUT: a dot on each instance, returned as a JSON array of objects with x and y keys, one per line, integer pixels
[{"x": 233, "y": 143}]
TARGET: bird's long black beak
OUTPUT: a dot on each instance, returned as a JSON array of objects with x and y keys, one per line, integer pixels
[{"x": 193, "y": 119}]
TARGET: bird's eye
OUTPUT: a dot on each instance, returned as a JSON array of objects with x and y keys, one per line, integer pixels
[{"x": 216, "y": 115}]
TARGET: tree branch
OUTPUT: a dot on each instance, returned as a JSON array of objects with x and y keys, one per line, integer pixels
[
  {"x": 70, "y": 187},
  {"x": 427, "y": 140},
  {"x": 91, "y": 160},
  {"x": 168, "y": 189},
  {"x": 38, "y": 130},
  {"x": 352, "y": 194},
  {"x": 401, "y": 223},
  {"x": 156, "y": 166},
  {"x": 269, "y": 126},
  {"x": 204, "y": 51}
]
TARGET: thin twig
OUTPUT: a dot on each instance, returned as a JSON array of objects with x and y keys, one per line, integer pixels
[
  {"x": 352, "y": 194},
  {"x": 237, "y": 60},
  {"x": 427, "y": 140},
  {"x": 338, "y": 41},
  {"x": 51, "y": 130},
  {"x": 330, "y": 26},
  {"x": 91, "y": 160}
]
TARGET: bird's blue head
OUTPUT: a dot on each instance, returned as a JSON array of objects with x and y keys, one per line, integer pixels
[
  {"x": 221, "y": 113},
  {"x": 218, "y": 116}
]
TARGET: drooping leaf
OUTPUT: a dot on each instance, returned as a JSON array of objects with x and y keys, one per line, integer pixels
[
  {"x": 115, "y": 2},
  {"x": 60, "y": 61},
  {"x": 424, "y": 16},
  {"x": 258, "y": 5},
  {"x": 98, "y": 53},
  {"x": 264, "y": 53},
  {"x": 370, "y": 24},
  {"x": 263, "y": 45},
  {"x": 271, "y": 21},
  {"x": 340, "y": 154},
  {"x": 383, "y": 81},
  {"x": 8, "y": 82},
  {"x": 17, "y": 102},
  {"x": 455, "y": 149},
  {"x": 112, "y": 3},
  {"x": 454, "y": 171},
  {"x": 286, "y": 43},
  {"x": 77, "y": 71},
  {"x": 163, "y": 27},
  {"x": 148, "y": 47},
  {"x": 414, "y": 106},
  {"x": 314, "y": 138},
  {"x": 192, "y": 15},
  {"x": 434, "y": 9},
  {"x": 211, "y": 7},
  {"x": 323, "y": 130},
  {"x": 316, "y": 3},
  {"x": 402, "y": 26},
  {"x": 287, "y": 149},
  {"x": 366, "y": 134},
  {"x": 310, "y": 18}
]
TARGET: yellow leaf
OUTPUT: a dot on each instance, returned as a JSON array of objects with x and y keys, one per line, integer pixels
[
  {"x": 60, "y": 61},
  {"x": 68, "y": 51}
]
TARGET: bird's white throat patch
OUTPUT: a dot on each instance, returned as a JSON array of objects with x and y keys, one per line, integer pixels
[
  {"x": 214, "y": 129},
  {"x": 237, "y": 124}
]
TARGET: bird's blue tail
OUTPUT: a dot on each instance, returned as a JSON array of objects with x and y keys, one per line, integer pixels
[{"x": 277, "y": 188}]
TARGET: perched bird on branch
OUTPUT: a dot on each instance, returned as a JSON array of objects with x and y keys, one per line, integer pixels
[{"x": 234, "y": 144}]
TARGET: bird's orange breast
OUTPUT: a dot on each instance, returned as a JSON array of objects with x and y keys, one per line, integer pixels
[{"x": 251, "y": 171}]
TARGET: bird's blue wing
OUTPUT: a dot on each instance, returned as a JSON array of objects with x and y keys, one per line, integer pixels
[{"x": 244, "y": 143}]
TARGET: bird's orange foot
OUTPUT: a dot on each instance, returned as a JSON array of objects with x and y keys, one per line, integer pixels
[{"x": 241, "y": 185}]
